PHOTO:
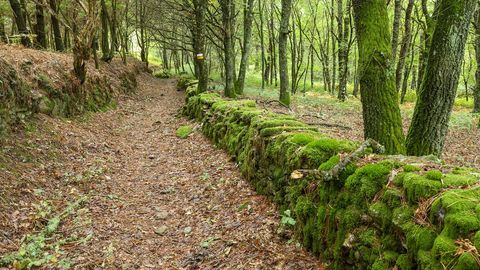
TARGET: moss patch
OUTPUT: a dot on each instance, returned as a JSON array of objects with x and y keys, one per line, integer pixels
[{"x": 184, "y": 131}]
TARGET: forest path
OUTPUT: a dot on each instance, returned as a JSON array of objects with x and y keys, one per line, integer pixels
[{"x": 170, "y": 203}]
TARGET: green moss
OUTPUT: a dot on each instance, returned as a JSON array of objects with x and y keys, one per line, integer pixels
[
  {"x": 392, "y": 197},
  {"x": 418, "y": 187},
  {"x": 368, "y": 237},
  {"x": 267, "y": 132},
  {"x": 444, "y": 249},
  {"x": 454, "y": 180},
  {"x": 467, "y": 261},
  {"x": 304, "y": 207},
  {"x": 381, "y": 214},
  {"x": 403, "y": 262},
  {"x": 461, "y": 223},
  {"x": 329, "y": 164},
  {"x": 411, "y": 168},
  {"x": 418, "y": 237},
  {"x": 368, "y": 180},
  {"x": 184, "y": 131},
  {"x": 434, "y": 175},
  {"x": 426, "y": 261},
  {"x": 476, "y": 240},
  {"x": 402, "y": 215}
]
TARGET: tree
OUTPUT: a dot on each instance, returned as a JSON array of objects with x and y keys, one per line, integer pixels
[
  {"x": 437, "y": 93},
  {"x": 59, "y": 46},
  {"x": 21, "y": 22},
  {"x": 83, "y": 23},
  {"x": 247, "y": 34},
  {"x": 199, "y": 44},
  {"x": 228, "y": 13},
  {"x": 107, "y": 54},
  {"x": 282, "y": 51},
  {"x": 397, "y": 15},
  {"x": 381, "y": 112},
  {"x": 40, "y": 26},
  {"x": 476, "y": 91},
  {"x": 405, "y": 46}
]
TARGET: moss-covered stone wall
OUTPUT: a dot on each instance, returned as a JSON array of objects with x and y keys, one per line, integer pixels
[
  {"x": 379, "y": 212},
  {"x": 21, "y": 97}
]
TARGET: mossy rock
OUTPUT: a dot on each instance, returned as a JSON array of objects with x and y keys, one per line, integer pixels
[
  {"x": 444, "y": 249},
  {"x": 184, "y": 131},
  {"x": 434, "y": 175},
  {"x": 418, "y": 187}
]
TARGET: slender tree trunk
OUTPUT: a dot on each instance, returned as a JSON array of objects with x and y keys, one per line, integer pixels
[
  {"x": 200, "y": 29},
  {"x": 106, "y": 52},
  {"x": 334, "y": 50},
  {"x": 397, "y": 15},
  {"x": 429, "y": 126},
  {"x": 282, "y": 51},
  {"x": 405, "y": 48},
  {"x": 113, "y": 28},
  {"x": 247, "y": 34},
  {"x": 3, "y": 34},
  {"x": 262, "y": 42},
  {"x": 381, "y": 113},
  {"x": 57, "y": 34},
  {"x": 21, "y": 22},
  {"x": 228, "y": 41},
  {"x": 476, "y": 91},
  {"x": 40, "y": 26}
]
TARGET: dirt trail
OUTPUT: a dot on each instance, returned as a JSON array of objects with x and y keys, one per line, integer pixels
[{"x": 168, "y": 203}]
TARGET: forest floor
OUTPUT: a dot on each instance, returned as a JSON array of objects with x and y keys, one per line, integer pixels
[{"x": 118, "y": 190}]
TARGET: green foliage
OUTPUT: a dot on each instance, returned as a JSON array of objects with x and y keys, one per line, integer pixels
[
  {"x": 287, "y": 218},
  {"x": 184, "y": 131},
  {"x": 38, "y": 249}
]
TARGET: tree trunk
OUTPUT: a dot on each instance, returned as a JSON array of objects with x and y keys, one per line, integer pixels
[
  {"x": 199, "y": 43},
  {"x": 228, "y": 42},
  {"x": 57, "y": 34},
  {"x": 113, "y": 29},
  {"x": 106, "y": 52},
  {"x": 405, "y": 48},
  {"x": 429, "y": 126},
  {"x": 262, "y": 42},
  {"x": 381, "y": 113},
  {"x": 21, "y": 22},
  {"x": 334, "y": 50},
  {"x": 397, "y": 15},
  {"x": 247, "y": 34},
  {"x": 476, "y": 91},
  {"x": 3, "y": 34},
  {"x": 40, "y": 26},
  {"x": 282, "y": 51}
]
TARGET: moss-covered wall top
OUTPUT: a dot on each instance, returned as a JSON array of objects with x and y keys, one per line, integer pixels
[{"x": 378, "y": 212}]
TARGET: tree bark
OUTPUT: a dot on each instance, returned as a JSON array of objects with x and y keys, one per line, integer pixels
[
  {"x": 199, "y": 44},
  {"x": 21, "y": 22},
  {"x": 106, "y": 52},
  {"x": 282, "y": 51},
  {"x": 228, "y": 42},
  {"x": 397, "y": 15},
  {"x": 57, "y": 34},
  {"x": 247, "y": 34},
  {"x": 381, "y": 113},
  {"x": 40, "y": 25},
  {"x": 429, "y": 126},
  {"x": 476, "y": 91},
  {"x": 405, "y": 48},
  {"x": 3, "y": 34}
]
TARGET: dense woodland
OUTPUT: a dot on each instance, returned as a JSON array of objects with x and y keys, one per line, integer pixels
[{"x": 379, "y": 51}]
